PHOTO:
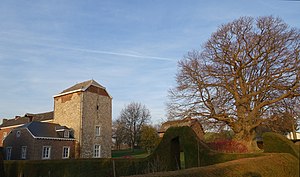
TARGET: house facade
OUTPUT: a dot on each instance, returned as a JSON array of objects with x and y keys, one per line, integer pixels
[
  {"x": 39, "y": 140},
  {"x": 85, "y": 108}
]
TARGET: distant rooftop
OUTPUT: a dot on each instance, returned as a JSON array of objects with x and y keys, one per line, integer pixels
[{"x": 28, "y": 117}]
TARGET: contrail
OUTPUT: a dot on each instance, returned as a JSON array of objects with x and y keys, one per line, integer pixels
[
  {"x": 35, "y": 42},
  {"x": 116, "y": 53},
  {"x": 123, "y": 54}
]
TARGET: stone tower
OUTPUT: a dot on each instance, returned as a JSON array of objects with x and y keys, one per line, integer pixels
[{"x": 86, "y": 108}]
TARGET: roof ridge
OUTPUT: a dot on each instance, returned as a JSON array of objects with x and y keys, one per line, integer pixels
[{"x": 82, "y": 86}]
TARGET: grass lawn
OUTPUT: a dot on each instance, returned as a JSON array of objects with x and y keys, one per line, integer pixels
[{"x": 128, "y": 153}]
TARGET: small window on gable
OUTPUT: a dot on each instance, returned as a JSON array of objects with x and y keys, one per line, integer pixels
[
  {"x": 18, "y": 134},
  {"x": 66, "y": 134}
]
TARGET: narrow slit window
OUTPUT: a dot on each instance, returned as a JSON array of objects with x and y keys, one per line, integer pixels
[{"x": 98, "y": 131}]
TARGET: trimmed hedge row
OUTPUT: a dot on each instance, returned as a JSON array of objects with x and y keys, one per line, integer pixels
[
  {"x": 277, "y": 143},
  {"x": 176, "y": 139},
  {"x": 74, "y": 168},
  {"x": 196, "y": 152}
]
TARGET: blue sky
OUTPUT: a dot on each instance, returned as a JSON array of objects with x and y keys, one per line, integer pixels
[{"x": 131, "y": 47}]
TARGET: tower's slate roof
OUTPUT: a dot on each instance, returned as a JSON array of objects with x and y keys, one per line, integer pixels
[{"x": 82, "y": 86}]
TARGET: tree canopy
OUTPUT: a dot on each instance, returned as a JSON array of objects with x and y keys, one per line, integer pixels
[
  {"x": 149, "y": 138},
  {"x": 127, "y": 128},
  {"x": 246, "y": 68}
]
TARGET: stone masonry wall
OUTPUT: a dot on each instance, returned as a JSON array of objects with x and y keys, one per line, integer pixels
[
  {"x": 67, "y": 112},
  {"x": 97, "y": 111}
]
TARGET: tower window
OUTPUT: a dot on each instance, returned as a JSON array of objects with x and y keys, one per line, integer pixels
[
  {"x": 97, "y": 132},
  {"x": 97, "y": 149}
]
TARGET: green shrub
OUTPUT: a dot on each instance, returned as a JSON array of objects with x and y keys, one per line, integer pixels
[{"x": 274, "y": 142}]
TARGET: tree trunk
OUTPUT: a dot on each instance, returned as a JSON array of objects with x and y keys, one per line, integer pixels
[
  {"x": 248, "y": 139},
  {"x": 294, "y": 132}
]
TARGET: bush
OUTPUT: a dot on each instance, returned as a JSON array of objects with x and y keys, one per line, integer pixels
[
  {"x": 274, "y": 142},
  {"x": 228, "y": 146}
]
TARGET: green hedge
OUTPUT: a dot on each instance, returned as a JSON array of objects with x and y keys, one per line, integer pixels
[
  {"x": 274, "y": 142},
  {"x": 196, "y": 152},
  {"x": 283, "y": 165}
]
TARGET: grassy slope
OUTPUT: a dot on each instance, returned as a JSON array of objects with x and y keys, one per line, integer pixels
[
  {"x": 285, "y": 165},
  {"x": 128, "y": 153}
]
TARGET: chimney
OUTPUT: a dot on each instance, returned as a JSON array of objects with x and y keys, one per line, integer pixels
[{"x": 30, "y": 118}]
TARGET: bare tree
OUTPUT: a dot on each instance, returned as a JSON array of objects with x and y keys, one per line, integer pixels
[
  {"x": 245, "y": 68},
  {"x": 133, "y": 117},
  {"x": 285, "y": 116},
  {"x": 119, "y": 134}
]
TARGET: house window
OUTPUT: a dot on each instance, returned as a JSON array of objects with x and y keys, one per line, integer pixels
[
  {"x": 97, "y": 149},
  {"x": 46, "y": 152},
  {"x": 66, "y": 152},
  {"x": 23, "y": 152},
  {"x": 18, "y": 133},
  {"x": 67, "y": 134},
  {"x": 97, "y": 130},
  {"x": 8, "y": 153}
]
